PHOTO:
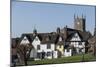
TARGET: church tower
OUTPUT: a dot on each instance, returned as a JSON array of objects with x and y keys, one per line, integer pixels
[{"x": 79, "y": 23}]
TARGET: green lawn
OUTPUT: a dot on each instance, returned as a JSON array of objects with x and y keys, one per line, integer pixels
[{"x": 71, "y": 59}]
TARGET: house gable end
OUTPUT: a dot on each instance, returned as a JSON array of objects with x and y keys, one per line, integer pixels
[
  {"x": 76, "y": 37},
  {"x": 60, "y": 38},
  {"x": 36, "y": 41},
  {"x": 24, "y": 40}
]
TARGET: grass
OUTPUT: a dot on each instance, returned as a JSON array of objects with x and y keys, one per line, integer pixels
[{"x": 71, "y": 59}]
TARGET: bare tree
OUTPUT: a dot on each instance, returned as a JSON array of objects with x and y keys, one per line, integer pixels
[{"x": 24, "y": 52}]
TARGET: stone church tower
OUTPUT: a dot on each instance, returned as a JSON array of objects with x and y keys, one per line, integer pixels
[{"x": 79, "y": 23}]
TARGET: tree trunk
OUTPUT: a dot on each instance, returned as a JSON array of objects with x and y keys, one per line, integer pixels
[{"x": 25, "y": 59}]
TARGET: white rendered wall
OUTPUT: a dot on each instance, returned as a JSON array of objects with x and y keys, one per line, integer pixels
[
  {"x": 33, "y": 53},
  {"x": 76, "y": 44},
  {"x": 24, "y": 41},
  {"x": 43, "y": 47},
  {"x": 66, "y": 54},
  {"x": 76, "y": 39},
  {"x": 36, "y": 42}
]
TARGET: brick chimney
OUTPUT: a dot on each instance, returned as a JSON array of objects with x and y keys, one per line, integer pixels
[{"x": 65, "y": 32}]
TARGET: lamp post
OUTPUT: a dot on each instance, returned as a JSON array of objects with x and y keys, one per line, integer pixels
[
  {"x": 82, "y": 56},
  {"x": 83, "y": 53}
]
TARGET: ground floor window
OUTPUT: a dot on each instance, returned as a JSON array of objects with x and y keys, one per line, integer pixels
[
  {"x": 48, "y": 53},
  {"x": 74, "y": 51},
  {"x": 68, "y": 50},
  {"x": 81, "y": 50},
  {"x": 38, "y": 47},
  {"x": 38, "y": 55}
]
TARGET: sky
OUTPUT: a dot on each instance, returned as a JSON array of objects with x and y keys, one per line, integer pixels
[{"x": 46, "y": 17}]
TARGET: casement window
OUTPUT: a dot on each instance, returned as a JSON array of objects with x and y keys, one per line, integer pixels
[
  {"x": 48, "y": 53},
  {"x": 48, "y": 46},
  {"x": 80, "y": 43},
  {"x": 38, "y": 55},
  {"x": 67, "y": 50},
  {"x": 80, "y": 50},
  {"x": 75, "y": 36},
  {"x": 38, "y": 47}
]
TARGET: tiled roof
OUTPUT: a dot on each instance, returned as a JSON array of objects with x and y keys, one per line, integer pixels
[
  {"x": 83, "y": 35},
  {"x": 29, "y": 36},
  {"x": 53, "y": 36}
]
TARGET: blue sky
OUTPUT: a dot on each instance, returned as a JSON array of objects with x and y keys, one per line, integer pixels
[{"x": 46, "y": 17}]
